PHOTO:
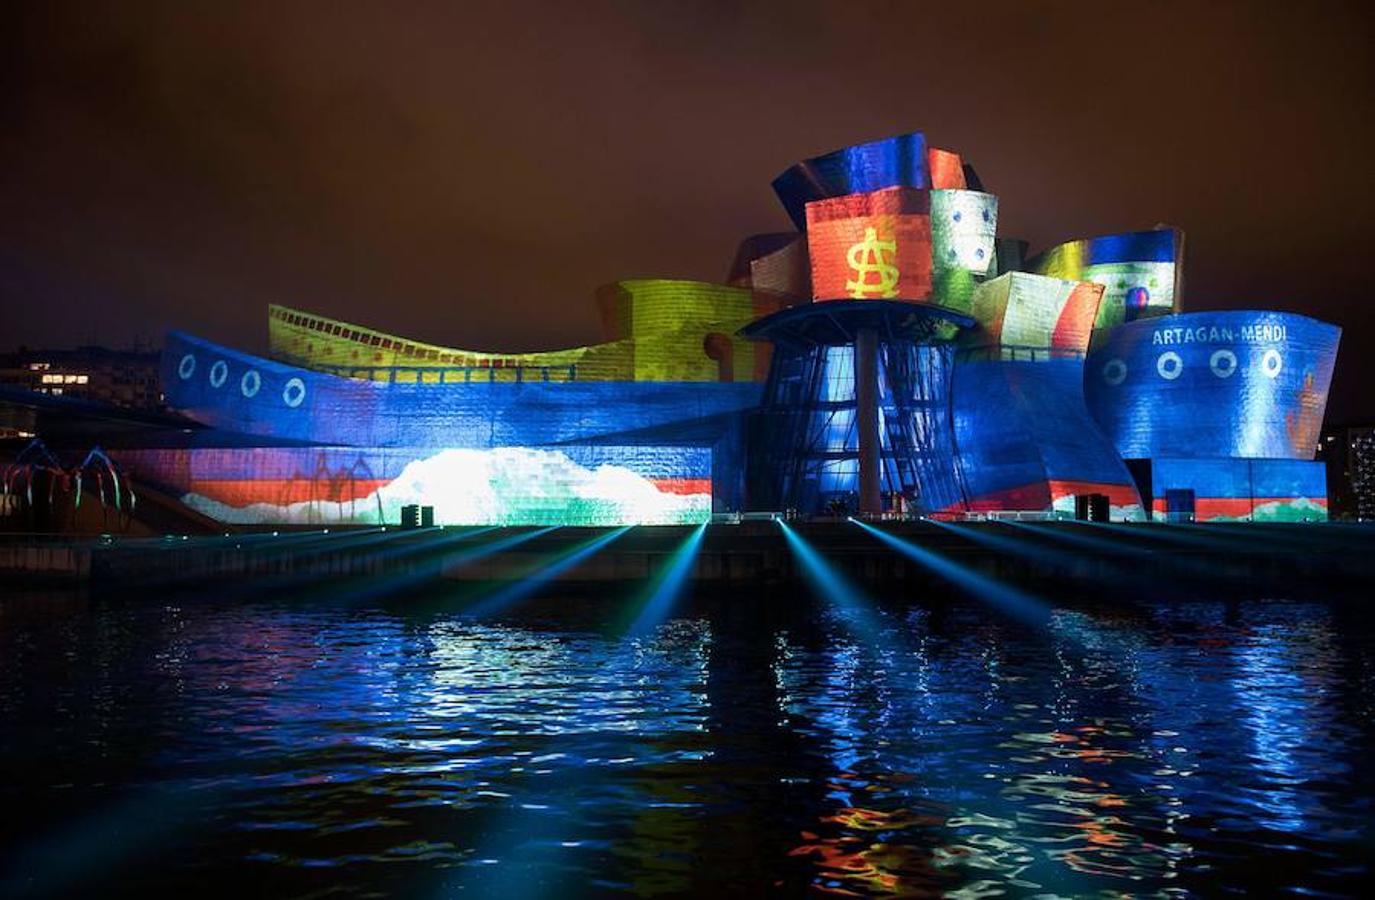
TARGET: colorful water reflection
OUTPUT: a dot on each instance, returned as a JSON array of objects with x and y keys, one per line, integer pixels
[{"x": 294, "y": 747}]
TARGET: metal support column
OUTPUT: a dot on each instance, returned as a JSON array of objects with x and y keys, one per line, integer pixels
[{"x": 866, "y": 420}]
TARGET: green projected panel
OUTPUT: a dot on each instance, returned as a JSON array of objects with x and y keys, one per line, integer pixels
[
  {"x": 657, "y": 329},
  {"x": 1139, "y": 272}
]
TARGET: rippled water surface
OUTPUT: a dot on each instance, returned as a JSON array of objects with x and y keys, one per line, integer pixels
[{"x": 253, "y": 748}]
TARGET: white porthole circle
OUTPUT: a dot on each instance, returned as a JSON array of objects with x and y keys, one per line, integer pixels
[
  {"x": 250, "y": 383},
  {"x": 218, "y": 373},
  {"x": 294, "y": 392},
  {"x": 1169, "y": 365},
  {"x": 1271, "y": 363},
  {"x": 1223, "y": 363},
  {"x": 1114, "y": 372},
  {"x": 187, "y": 367}
]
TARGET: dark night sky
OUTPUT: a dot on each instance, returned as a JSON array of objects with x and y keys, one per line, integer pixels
[{"x": 469, "y": 174}]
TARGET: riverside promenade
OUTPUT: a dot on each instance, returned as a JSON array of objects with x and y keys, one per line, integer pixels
[{"x": 734, "y": 555}]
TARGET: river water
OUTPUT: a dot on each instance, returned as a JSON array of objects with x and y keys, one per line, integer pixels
[{"x": 205, "y": 746}]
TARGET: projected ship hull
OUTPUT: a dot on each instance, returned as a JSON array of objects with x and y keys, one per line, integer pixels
[
  {"x": 238, "y": 392},
  {"x": 1213, "y": 384},
  {"x": 481, "y": 452},
  {"x": 1027, "y": 441},
  {"x": 894, "y": 355}
]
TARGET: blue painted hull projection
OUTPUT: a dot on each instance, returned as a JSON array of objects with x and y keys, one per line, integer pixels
[
  {"x": 1213, "y": 384},
  {"x": 1240, "y": 478},
  {"x": 1019, "y": 423},
  {"x": 243, "y": 393}
]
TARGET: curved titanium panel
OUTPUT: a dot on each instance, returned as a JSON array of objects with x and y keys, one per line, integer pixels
[
  {"x": 899, "y": 161},
  {"x": 964, "y": 231},
  {"x": 1033, "y": 312},
  {"x": 1026, "y": 441},
  {"x": 874, "y": 246},
  {"x": 947, "y": 170},
  {"x": 786, "y": 272},
  {"x": 327, "y": 345},
  {"x": 1139, "y": 271},
  {"x": 670, "y": 320},
  {"x": 1211, "y": 384},
  {"x": 239, "y": 392},
  {"x": 657, "y": 330}
]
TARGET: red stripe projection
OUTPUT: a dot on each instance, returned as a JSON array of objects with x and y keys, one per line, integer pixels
[
  {"x": 285, "y": 491},
  {"x": 1075, "y": 324},
  {"x": 1117, "y": 494},
  {"x": 1039, "y": 495},
  {"x": 682, "y": 486},
  {"x": 240, "y": 493}
]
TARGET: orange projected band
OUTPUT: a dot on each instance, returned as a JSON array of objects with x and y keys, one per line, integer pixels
[
  {"x": 874, "y": 246},
  {"x": 947, "y": 170},
  {"x": 1075, "y": 325}
]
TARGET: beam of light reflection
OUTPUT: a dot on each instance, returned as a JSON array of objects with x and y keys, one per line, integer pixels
[
  {"x": 855, "y": 608},
  {"x": 1283, "y": 679},
  {"x": 427, "y": 544},
  {"x": 1015, "y": 604},
  {"x": 288, "y": 539},
  {"x": 411, "y": 547},
  {"x": 526, "y": 585},
  {"x": 1133, "y": 542},
  {"x": 530, "y": 831},
  {"x": 1328, "y": 536},
  {"x": 415, "y": 561},
  {"x": 281, "y": 561},
  {"x": 1198, "y": 555},
  {"x": 1025, "y": 549},
  {"x": 1069, "y": 535},
  {"x": 319, "y": 542},
  {"x": 368, "y": 548},
  {"x": 668, "y": 584},
  {"x": 425, "y": 561},
  {"x": 70, "y": 860},
  {"x": 1170, "y": 533}
]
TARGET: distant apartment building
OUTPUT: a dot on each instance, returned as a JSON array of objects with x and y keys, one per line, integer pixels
[
  {"x": 1349, "y": 451},
  {"x": 126, "y": 378}
]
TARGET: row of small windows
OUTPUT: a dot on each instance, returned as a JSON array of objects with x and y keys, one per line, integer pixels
[
  {"x": 293, "y": 391},
  {"x": 385, "y": 343},
  {"x": 1170, "y": 365}
]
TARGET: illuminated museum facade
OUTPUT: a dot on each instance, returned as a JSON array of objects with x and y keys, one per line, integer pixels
[{"x": 891, "y": 355}]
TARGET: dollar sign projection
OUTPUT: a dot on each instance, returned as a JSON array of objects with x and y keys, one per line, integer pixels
[{"x": 875, "y": 274}]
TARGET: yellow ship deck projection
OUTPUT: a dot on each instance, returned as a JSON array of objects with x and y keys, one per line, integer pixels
[{"x": 890, "y": 355}]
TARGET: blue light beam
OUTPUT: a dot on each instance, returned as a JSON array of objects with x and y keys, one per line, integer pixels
[
  {"x": 668, "y": 585},
  {"x": 527, "y": 585},
  {"x": 1006, "y": 599},
  {"x": 855, "y": 608},
  {"x": 1011, "y": 546}
]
